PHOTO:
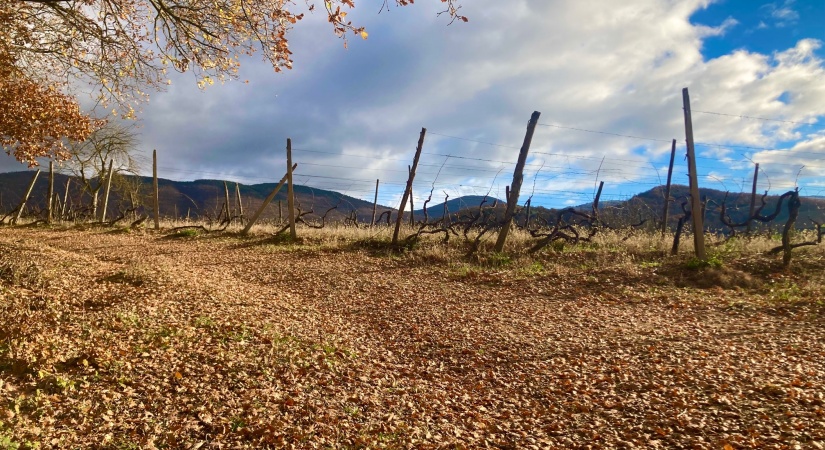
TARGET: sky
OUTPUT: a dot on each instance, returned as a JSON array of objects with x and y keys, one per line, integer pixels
[{"x": 606, "y": 76}]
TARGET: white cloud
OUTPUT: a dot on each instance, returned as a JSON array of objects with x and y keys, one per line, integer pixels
[
  {"x": 597, "y": 65},
  {"x": 783, "y": 15}
]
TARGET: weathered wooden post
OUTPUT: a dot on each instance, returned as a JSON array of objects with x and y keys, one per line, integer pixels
[
  {"x": 65, "y": 199},
  {"x": 793, "y": 213},
  {"x": 26, "y": 198},
  {"x": 266, "y": 202},
  {"x": 445, "y": 215},
  {"x": 56, "y": 203},
  {"x": 290, "y": 200},
  {"x": 753, "y": 198},
  {"x": 518, "y": 177},
  {"x": 666, "y": 212},
  {"x": 226, "y": 201},
  {"x": 108, "y": 189},
  {"x": 596, "y": 203},
  {"x": 50, "y": 203},
  {"x": 374, "y": 204},
  {"x": 412, "y": 208},
  {"x": 155, "y": 187},
  {"x": 238, "y": 199},
  {"x": 695, "y": 200},
  {"x": 408, "y": 190}
]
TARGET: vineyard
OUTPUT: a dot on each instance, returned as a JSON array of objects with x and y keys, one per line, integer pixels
[{"x": 283, "y": 315}]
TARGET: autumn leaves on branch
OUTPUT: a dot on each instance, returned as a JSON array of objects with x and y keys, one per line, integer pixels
[{"x": 123, "y": 49}]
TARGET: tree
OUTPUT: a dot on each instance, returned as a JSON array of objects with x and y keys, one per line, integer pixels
[
  {"x": 124, "y": 48},
  {"x": 89, "y": 161},
  {"x": 35, "y": 118}
]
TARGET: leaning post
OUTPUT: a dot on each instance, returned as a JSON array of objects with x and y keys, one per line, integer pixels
[
  {"x": 108, "y": 189},
  {"x": 408, "y": 190},
  {"x": 26, "y": 197},
  {"x": 753, "y": 197},
  {"x": 696, "y": 201},
  {"x": 374, "y": 204},
  {"x": 515, "y": 187},
  {"x": 666, "y": 212}
]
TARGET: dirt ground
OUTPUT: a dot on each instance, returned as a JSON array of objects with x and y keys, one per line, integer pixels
[{"x": 112, "y": 339}]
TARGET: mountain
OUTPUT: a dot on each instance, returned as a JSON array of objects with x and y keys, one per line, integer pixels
[
  {"x": 205, "y": 199},
  {"x": 649, "y": 206},
  {"x": 467, "y": 202},
  {"x": 181, "y": 199}
]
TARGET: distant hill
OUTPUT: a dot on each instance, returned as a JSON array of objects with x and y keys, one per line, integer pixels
[
  {"x": 195, "y": 199},
  {"x": 205, "y": 198},
  {"x": 649, "y": 206},
  {"x": 471, "y": 202}
]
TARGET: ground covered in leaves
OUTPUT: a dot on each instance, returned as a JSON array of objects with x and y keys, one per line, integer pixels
[{"x": 111, "y": 339}]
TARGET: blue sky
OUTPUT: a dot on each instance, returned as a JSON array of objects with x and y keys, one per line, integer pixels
[
  {"x": 762, "y": 27},
  {"x": 607, "y": 77}
]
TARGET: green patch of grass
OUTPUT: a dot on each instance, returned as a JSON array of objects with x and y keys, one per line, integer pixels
[
  {"x": 236, "y": 423},
  {"x": 6, "y": 440},
  {"x": 496, "y": 259},
  {"x": 129, "y": 319},
  {"x": 204, "y": 322},
  {"x": 711, "y": 261},
  {"x": 463, "y": 271},
  {"x": 161, "y": 337},
  {"x": 54, "y": 383},
  {"x": 786, "y": 292},
  {"x": 235, "y": 334},
  {"x": 536, "y": 268}
]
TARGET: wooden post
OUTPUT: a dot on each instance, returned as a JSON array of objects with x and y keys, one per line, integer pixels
[
  {"x": 108, "y": 189},
  {"x": 26, "y": 197},
  {"x": 793, "y": 213},
  {"x": 374, "y": 204},
  {"x": 598, "y": 197},
  {"x": 50, "y": 203},
  {"x": 666, "y": 212},
  {"x": 696, "y": 202},
  {"x": 280, "y": 212},
  {"x": 266, "y": 202},
  {"x": 56, "y": 203},
  {"x": 290, "y": 200},
  {"x": 226, "y": 200},
  {"x": 238, "y": 199},
  {"x": 515, "y": 187},
  {"x": 527, "y": 219},
  {"x": 445, "y": 216},
  {"x": 65, "y": 199},
  {"x": 408, "y": 190},
  {"x": 412, "y": 208},
  {"x": 155, "y": 186},
  {"x": 753, "y": 197}
]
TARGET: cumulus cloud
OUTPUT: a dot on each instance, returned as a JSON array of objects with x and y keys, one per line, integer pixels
[{"x": 354, "y": 115}]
